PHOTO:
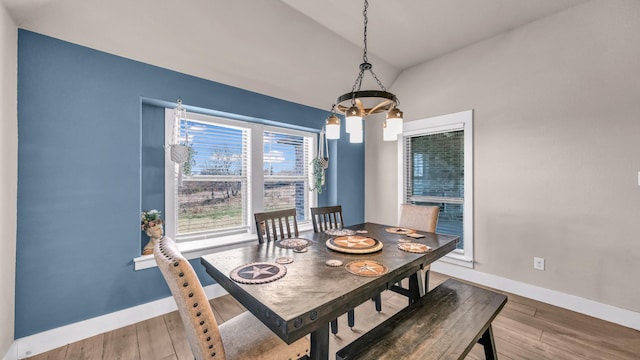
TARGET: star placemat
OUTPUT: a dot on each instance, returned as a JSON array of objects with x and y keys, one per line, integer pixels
[
  {"x": 354, "y": 244},
  {"x": 370, "y": 268},
  {"x": 257, "y": 273},
  {"x": 414, "y": 247}
]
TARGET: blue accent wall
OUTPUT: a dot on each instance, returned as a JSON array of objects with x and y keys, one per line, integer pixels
[{"x": 90, "y": 129}]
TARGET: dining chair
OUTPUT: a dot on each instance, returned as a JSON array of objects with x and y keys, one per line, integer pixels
[
  {"x": 326, "y": 218},
  {"x": 242, "y": 337},
  {"x": 422, "y": 218},
  {"x": 275, "y": 225}
]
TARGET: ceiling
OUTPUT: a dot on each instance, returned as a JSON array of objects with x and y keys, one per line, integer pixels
[{"x": 306, "y": 51}]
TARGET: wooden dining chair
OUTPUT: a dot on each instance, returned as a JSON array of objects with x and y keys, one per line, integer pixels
[
  {"x": 327, "y": 217},
  {"x": 421, "y": 218},
  {"x": 242, "y": 337},
  {"x": 276, "y": 225}
]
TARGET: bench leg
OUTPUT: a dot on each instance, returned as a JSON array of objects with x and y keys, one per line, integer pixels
[{"x": 489, "y": 345}]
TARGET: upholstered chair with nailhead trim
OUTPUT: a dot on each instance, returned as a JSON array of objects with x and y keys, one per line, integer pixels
[{"x": 243, "y": 337}]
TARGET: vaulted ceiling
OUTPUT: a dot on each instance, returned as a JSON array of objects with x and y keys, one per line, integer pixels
[{"x": 306, "y": 51}]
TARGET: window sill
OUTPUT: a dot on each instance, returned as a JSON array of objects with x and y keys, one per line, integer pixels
[
  {"x": 457, "y": 259},
  {"x": 196, "y": 249}
]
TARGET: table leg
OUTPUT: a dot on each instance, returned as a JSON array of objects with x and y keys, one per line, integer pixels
[
  {"x": 414, "y": 288},
  {"x": 320, "y": 343}
]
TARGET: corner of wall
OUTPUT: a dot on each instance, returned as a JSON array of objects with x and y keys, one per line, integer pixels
[{"x": 9, "y": 177}]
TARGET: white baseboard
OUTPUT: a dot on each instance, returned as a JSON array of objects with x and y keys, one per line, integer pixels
[
  {"x": 592, "y": 308},
  {"x": 54, "y": 338}
]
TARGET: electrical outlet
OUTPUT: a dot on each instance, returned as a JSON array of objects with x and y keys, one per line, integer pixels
[{"x": 538, "y": 263}]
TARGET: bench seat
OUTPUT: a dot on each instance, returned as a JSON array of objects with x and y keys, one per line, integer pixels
[{"x": 444, "y": 324}]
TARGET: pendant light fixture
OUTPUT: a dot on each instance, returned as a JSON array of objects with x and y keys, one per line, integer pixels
[{"x": 358, "y": 103}]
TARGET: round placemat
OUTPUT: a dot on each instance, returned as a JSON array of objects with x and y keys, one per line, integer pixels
[
  {"x": 355, "y": 244},
  {"x": 293, "y": 243},
  {"x": 399, "y": 231},
  {"x": 257, "y": 273},
  {"x": 339, "y": 232},
  {"x": 284, "y": 260},
  {"x": 414, "y": 247},
  {"x": 366, "y": 268}
]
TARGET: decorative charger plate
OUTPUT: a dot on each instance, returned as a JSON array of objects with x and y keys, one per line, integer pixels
[
  {"x": 414, "y": 247},
  {"x": 258, "y": 273},
  {"x": 355, "y": 244},
  {"x": 366, "y": 268},
  {"x": 339, "y": 232},
  {"x": 399, "y": 231},
  {"x": 293, "y": 243}
]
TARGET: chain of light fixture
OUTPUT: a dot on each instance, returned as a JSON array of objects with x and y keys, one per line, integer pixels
[{"x": 357, "y": 103}]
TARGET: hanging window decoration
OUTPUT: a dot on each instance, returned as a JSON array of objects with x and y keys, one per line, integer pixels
[
  {"x": 320, "y": 164},
  {"x": 180, "y": 147}
]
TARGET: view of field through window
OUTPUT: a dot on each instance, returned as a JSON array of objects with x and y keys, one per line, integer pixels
[{"x": 215, "y": 182}]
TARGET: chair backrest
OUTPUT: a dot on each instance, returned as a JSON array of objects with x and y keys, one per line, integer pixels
[
  {"x": 418, "y": 217},
  {"x": 195, "y": 311},
  {"x": 327, "y": 217},
  {"x": 274, "y": 225}
]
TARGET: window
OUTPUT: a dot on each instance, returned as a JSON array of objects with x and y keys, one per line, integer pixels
[
  {"x": 217, "y": 191},
  {"x": 437, "y": 171}
]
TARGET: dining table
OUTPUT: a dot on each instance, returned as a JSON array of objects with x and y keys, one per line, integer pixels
[{"x": 298, "y": 287}]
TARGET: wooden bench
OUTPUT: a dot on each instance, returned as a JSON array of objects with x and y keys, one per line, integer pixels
[{"x": 444, "y": 324}]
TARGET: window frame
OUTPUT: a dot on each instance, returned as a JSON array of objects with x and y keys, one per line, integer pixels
[
  {"x": 439, "y": 124},
  {"x": 255, "y": 183}
]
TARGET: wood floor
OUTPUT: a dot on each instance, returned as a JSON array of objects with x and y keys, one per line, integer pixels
[{"x": 525, "y": 329}]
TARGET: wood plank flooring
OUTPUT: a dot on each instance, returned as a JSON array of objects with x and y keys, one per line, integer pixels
[{"x": 525, "y": 329}]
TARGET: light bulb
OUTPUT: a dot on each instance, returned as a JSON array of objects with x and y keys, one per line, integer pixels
[
  {"x": 333, "y": 127},
  {"x": 353, "y": 118}
]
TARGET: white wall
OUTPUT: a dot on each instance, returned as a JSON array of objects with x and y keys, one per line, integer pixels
[
  {"x": 8, "y": 175},
  {"x": 557, "y": 148}
]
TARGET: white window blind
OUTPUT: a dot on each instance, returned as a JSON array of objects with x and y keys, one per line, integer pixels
[
  {"x": 214, "y": 187},
  {"x": 234, "y": 169},
  {"x": 437, "y": 160},
  {"x": 286, "y": 159},
  {"x": 435, "y": 176}
]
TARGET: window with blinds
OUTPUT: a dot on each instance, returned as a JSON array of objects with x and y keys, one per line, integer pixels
[
  {"x": 435, "y": 176},
  {"x": 286, "y": 172},
  {"x": 214, "y": 193},
  {"x": 438, "y": 171}
]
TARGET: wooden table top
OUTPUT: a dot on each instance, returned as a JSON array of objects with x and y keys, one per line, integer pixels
[{"x": 311, "y": 293}]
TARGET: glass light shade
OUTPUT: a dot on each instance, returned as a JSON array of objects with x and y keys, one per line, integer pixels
[
  {"x": 388, "y": 134},
  {"x": 333, "y": 127},
  {"x": 356, "y": 137},
  {"x": 353, "y": 118},
  {"x": 393, "y": 124}
]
